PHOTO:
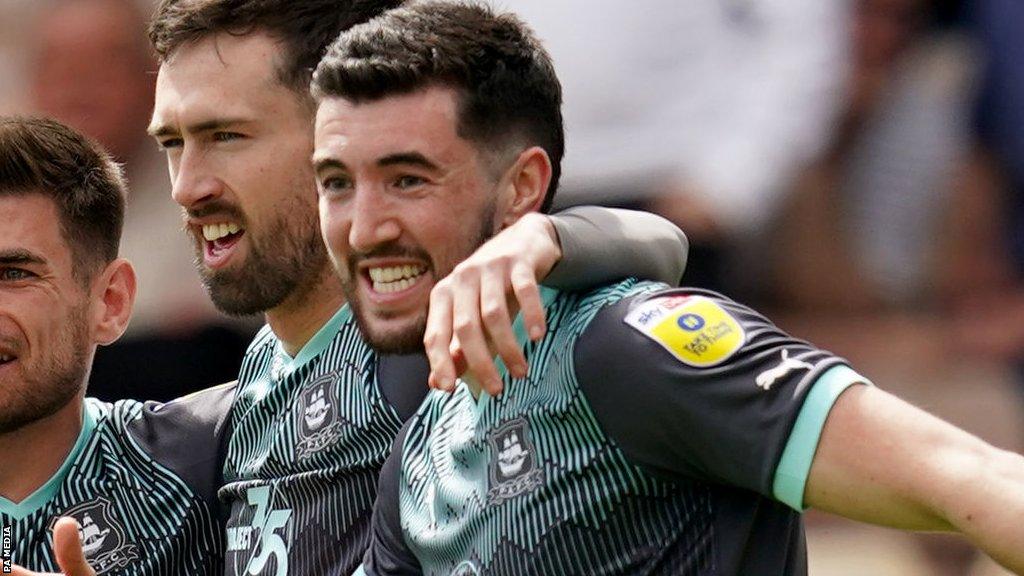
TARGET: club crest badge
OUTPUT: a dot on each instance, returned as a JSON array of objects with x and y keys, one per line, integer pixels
[
  {"x": 317, "y": 417},
  {"x": 104, "y": 540},
  {"x": 514, "y": 468}
]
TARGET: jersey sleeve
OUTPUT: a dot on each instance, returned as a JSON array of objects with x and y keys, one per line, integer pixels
[
  {"x": 388, "y": 554},
  {"x": 600, "y": 245},
  {"x": 692, "y": 385},
  {"x": 188, "y": 435}
]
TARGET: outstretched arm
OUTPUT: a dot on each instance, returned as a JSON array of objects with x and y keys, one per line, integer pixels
[
  {"x": 881, "y": 460},
  {"x": 471, "y": 310}
]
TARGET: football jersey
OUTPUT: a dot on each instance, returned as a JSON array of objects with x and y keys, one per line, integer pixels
[
  {"x": 658, "y": 432},
  {"x": 310, "y": 435},
  {"x": 141, "y": 480}
]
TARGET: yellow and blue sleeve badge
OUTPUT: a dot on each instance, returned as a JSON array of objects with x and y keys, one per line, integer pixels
[{"x": 695, "y": 329}]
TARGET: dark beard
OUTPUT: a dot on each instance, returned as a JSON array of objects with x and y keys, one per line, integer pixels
[
  {"x": 291, "y": 260},
  {"x": 406, "y": 342},
  {"x": 57, "y": 383},
  {"x": 410, "y": 340}
]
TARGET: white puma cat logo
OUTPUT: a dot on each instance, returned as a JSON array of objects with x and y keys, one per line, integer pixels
[{"x": 767, "y": 378}]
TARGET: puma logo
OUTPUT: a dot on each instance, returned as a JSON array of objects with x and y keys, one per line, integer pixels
[{"x": 769, "y": 377}]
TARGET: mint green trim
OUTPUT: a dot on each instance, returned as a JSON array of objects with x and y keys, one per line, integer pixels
[
  {"x": 45, "y": 493},
  {"x": 359, "y": 571},
  {"x": 795, "y": 464},
  {"x": 317, "y": 344}
]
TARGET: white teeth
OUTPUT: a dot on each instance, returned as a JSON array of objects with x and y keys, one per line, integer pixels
[
  {"x": 213, "y": 232},
  {"x": 395, "y": 278}
]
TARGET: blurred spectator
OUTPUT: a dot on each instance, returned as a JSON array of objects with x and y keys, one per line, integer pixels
[
  {"x": 90, "y": 67},
  {"x": 993, "y": 313},
  {"x": 888, "y": 232},
  {"x": 862, "y": 228},
  {"x": 702, "y": 110}
]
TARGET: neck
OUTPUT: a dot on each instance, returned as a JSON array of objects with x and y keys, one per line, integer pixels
[
  {"x": 304, "y": 312},
  {"x": 33, "y": 453}
]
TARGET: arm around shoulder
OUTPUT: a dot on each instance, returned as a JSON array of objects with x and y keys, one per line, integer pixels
[{"x": 600, "y": 245}]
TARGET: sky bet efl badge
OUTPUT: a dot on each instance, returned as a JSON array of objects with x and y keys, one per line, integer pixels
[{"x": 695, "y": 329}]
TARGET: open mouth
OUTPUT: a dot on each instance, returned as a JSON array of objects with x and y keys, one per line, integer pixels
[
  {"x": 219, "y": 239},
  {"x": 394, "y": 279}
]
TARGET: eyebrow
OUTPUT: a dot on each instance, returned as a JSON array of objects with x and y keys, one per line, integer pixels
[
  {"x": 20, "y": 256},
  {"x": 400, "y": 158},
  {"x": 205, "y": 126},
  {"x": 414, "y": 158},
  {"x": 324, "y": 164}
]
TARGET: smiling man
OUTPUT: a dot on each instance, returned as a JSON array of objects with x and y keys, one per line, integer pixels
[
  {"x": 656, "y": 431},
  {"x": 316, "y": 410},
  {"x": 139, "y": 479}
]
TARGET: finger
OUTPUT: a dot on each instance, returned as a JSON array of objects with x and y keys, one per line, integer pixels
[
  {"x": 524, "y": 286},
  {"x": 466, "y": 318},
  {"x": 437, "y": 338},
  {"x": 497, "y": 323},
  {"x": 455, "y": 350},
  {"x": 67, "y": 547}
]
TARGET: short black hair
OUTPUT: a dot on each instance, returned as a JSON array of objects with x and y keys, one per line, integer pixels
[
  {"x": 43, "y": 156},
  {"x": 304, "y": 27},
  {"x": 509, "y": 93}
]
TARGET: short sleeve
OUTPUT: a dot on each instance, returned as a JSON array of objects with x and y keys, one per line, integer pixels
[
  {"x": 189, "y": 436},
  {"x": 388, "y": 554},
  {"x": 692, "y": 385}
]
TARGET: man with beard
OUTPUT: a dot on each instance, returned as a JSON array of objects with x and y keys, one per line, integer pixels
[
  {"x": 315, "y": 412},
  {"x": 658, "y": 431},
  {"x": 139, "y": 480}
]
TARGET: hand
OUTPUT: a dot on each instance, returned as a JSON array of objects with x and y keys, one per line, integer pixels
[
  {"x": 67, "y": 547},
  {"x": 471, "y": 309}
]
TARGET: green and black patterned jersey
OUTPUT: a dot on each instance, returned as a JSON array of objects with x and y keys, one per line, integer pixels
[
  {"x": 658, "y": 432},
  {"x": 310, "y": 435},
  {"x": 141, "y": 480}
]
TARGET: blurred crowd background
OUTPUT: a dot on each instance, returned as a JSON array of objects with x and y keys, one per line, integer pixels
[{"x": 854, "y": 169}]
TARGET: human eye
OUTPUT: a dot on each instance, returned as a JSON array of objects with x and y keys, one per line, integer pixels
[
  {"x": 335, "y": 185},
  {"x": 226, "y": 136},
  {"x": 14, "y": 274},
  {"x": 166, "y": 144},
  {"x": 407, "y": 181}
]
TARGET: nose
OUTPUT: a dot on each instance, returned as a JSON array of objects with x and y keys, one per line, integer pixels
[
  {"x": 374, "y": 220},
  {"x": 192, "y": 181}
]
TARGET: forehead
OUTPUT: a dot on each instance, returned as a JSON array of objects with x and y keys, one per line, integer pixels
[
  {"x": 425, "y": 121},
  {"x": 31, "y": 222},
  {"x": 219, "y": 76}
]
